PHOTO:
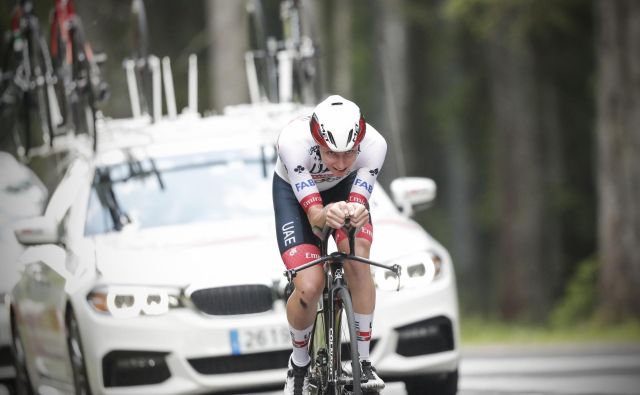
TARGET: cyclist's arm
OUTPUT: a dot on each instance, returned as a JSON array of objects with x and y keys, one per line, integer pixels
[
  {"x": 370, "y": 161},
  {"x": 296, "y": 163}
]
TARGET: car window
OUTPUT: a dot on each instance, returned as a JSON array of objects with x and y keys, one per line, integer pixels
[{"x": 158, "y": 192}]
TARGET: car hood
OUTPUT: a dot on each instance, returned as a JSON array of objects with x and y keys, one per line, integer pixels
[
  {"x": 227, "y": 253},
  {"x": 207, "y": 254},
  {"x": 395, "y": 236}
]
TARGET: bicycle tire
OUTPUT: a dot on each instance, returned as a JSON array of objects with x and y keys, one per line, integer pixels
[
  {"x": 14, "y": 103},
  {"x": 84, "y": 110},
  {"x": 29, "y": 101},
  {"x": 259, "y": 45},
  {"x": 140, "y": 53},
  {"x": 347, "y": 307},
  {"x": 257, "y": 30},
  {"x": 63, "y": 75},
  {"x": 42, "y": 71},
  {"x": 298, "y": 28}
]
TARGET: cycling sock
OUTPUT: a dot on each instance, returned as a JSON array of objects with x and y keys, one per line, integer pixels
[
  {"x": 300, "y": 340},
  {"x": 363, "y": 330}
]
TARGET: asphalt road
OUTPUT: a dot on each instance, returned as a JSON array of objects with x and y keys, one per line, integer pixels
[
  {"x": 585, "y": 369},
  {"x": 554, "y": 369}
]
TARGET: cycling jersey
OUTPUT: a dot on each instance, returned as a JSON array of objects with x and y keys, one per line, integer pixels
[
  {"x": 300, "y": 165},
  {"x": 303, "y": 181}
]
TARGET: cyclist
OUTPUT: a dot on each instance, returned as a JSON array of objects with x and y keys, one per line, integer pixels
[{"x": 326, "y": 169}]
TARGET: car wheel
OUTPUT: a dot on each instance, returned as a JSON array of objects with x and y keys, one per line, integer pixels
[
  {"x": 442, "y": 384},
  {"x": 22, "y": 384},
  {"x": 78, "y": 367}
]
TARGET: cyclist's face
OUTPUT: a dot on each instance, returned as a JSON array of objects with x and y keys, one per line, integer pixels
[{"x": 339, "y": 163}]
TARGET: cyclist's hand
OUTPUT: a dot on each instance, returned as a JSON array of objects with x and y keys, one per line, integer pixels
[
  {"x": 358, "y": 214},
  {"x": 336, "y": 214}
]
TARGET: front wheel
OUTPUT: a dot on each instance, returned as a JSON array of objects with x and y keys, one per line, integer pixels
[
  {"x": 22, "y": 384},
  {"x": 356, "y": 373},
  {"x": 76, "y": 356}
]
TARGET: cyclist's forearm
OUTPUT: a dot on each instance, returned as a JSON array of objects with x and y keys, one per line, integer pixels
[{"x": 317, "y": 216}]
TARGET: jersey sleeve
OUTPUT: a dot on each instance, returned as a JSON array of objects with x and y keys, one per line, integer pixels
[
  {"x": 373, "y": 152},
  {"x": 296, "y": 162}
]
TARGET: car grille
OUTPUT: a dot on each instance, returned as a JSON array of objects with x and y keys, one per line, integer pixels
[
  {"x": 231, "y": 300},
  {"x": 425, "y": 337},
  {"x": 131, "y": 368}
]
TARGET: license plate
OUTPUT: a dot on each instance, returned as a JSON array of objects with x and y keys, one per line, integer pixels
[{"x": 250, "y": 340}]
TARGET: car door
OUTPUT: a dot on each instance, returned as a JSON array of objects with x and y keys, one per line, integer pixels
[{"x": 41, "y": 294}]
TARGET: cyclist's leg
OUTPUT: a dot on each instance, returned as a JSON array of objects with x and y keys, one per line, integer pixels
[
  {"x": 364, "y": 300},
  {"x": 364, "y": 294},
  {"x": 297, "y": 245}
]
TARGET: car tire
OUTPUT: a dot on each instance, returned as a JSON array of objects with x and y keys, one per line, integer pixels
[
  {"x": 76, "y": 356},
  {"x": 441, "y": 384},
  {"x": 22, "y": 384}
]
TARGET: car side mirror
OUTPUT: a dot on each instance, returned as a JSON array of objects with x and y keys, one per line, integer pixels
[
  {"x": 37, "y": 230},
  {"x": 413, "y": 193}
]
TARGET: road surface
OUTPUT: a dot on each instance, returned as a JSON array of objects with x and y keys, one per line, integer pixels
[{"x": 585, "y": 369}]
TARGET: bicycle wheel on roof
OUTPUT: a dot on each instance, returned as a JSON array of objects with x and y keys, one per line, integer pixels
[
  {"x": 28, "y": 88},
  {"x": 83, "y": 103},
  {"x": 140, "y": 50}
]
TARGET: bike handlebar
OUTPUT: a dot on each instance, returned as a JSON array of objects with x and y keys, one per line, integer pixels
[{"x": 340, "y": 256}]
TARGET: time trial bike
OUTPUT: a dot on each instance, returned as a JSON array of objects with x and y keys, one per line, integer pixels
[{"x": 335, "y": 368}]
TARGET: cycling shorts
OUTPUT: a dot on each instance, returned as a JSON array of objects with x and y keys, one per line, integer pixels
[{"x": 296, "y": 241}]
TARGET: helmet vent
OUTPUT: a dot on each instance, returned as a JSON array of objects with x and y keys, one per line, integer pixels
[
  {"x": 338, "y": 103},
  {"x": 333, "y": 141},
  {"x": 350, "y": 135}
]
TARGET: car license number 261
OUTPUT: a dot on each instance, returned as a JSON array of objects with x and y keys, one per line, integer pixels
[{"x": 250, "y": 340}]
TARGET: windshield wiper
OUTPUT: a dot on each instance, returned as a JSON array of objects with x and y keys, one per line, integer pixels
[
  {"x": 104, "y": 188},
  {"x": 137, "y": 171}
]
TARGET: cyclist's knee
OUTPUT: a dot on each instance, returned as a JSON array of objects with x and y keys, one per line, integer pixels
[
  {"x": 309, "y": 286},
  {"x": 363, "y": 246}
]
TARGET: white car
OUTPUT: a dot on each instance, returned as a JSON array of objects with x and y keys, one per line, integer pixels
[
  {"x": 155, "y": 269},
  {"x": 22, "y": 195}
]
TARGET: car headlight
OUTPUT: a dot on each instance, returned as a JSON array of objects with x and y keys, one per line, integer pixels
[
  {"x": 420, "y": 268},
  {"x": 131, "y": 301}
]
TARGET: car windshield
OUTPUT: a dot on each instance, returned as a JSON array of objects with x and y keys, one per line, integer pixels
[{"x": 166, "y": 191}]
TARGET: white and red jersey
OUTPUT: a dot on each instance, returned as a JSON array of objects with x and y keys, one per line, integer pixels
[{"x": 300, "y": 165}]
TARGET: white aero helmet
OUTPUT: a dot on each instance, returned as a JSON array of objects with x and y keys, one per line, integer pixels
[{"x": 337, "y": 124}]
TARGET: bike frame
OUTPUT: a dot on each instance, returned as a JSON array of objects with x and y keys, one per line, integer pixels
[{"x": 328, "y": 319}]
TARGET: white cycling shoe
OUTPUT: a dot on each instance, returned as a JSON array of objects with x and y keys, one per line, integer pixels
[
  {"x": 373, "y": 382},
  {"x": 297, "y": 382}
]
